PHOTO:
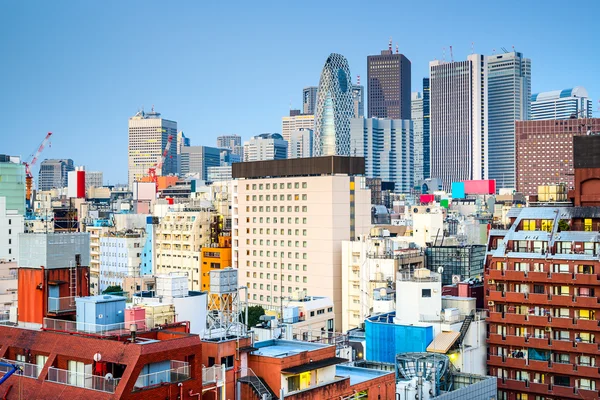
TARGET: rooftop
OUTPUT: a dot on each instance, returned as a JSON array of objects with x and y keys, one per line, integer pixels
[
  {"x": 358, "y": 375},
  {"x": 284, "y": 348}
]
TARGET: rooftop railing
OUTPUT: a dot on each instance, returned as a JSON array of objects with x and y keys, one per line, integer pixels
[
  {"x": 25, "y": 369},
  {"x": 61, "y": 304},
  {"x": 121, "y": 328},
  {"x": 82, "y": 380},
  {"x": 179, "y": 371},
  {"x": 212, "y": 374}
]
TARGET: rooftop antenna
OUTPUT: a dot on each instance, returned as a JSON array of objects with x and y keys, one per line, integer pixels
[
  {"x": 493, "y": 51},
  {"x": 443, "y": 54},
  {"x": 472, "y": 47},
  {"x": 152, "y": 107},
  {"x": 451, "y": 55},
  {"x": 390, "y": 44},
  {"x": 358, "y": 80},
  {"x": 396, "y": 49},
  {"x": 513, "y": 47}
]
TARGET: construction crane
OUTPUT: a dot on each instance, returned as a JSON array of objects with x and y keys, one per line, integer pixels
[
  {"x": 29, "y": 164},
  {"x": 159, "y": 164},
  {"x": 13, "y": 368}
]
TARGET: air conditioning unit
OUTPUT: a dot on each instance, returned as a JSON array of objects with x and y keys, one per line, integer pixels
[
  {"x": 490, "y": 302},
  {"x": 491, "y": 281}
]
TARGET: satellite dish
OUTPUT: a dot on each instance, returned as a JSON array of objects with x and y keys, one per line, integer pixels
[
  {"x": 108, "y": 377},
  {"x": 455, "y": 278},
  {"x": 276, "y": 333},
  {"x": 440, "y": 270},
  {"x": 97, "y": 357}
]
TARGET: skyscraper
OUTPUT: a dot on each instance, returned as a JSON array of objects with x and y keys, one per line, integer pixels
[
  {"x": 309, "y": 100},
  {"x": 197, "y": 159},
  {"x": 459, "y": 143},
  {"x": 292, "y": 124},
  {"x": 417, "y": 119},
  {"x": 509, "y": 93},
  {"x": 53, "y": 174},
  {"x": 300, "y": 144},
  {"x": 334, "y": 108},
  {"x": 387, "y": 146},
  {"x": 561, "y": 104},
  {"x": 267, "y": 146},
  {"x": 426, "y": 131},
  {"x": 233, "y": 143},
  {"x": 148, "y": 136},
  {"x": 358, "y": 98},
  {"x": 388, "y": 76}
]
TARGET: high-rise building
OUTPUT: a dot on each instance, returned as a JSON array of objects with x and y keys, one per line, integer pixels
[
  {"x": 289, "y": 220},
  {"x": 267, "y": 146},
  {"x": 541, "y": 290},
  {"x": 233, "y": 143},
  {"x": 389, "y": 85},
  {"x": 293, "y": 123},
  {"x": 459, "y": 123},
  {"x": 120, "y": 257},
  {"x": 309, "y": 100},
  {"x": 509, "y": 94},
  {"x": 197, "y": 159},
  {"x": 12, "y": 183},
  {"x": 358, "y": 98},
  {"x": 561, "y": 104},
  {"x": 387, "y": 146},
  {"x": 300, "y": 144},
  {"x": 545, "y": 151},
  {"x": 182, "y": 141},
  {"x": 426, "y": 131},
  {"x": 94, "y": 178},
  {"x": 334, "y": 109},
  {"x": 148, "y": 136},
  {"x": 417, "y": 119},
  {"x": 53, "y": 174}
]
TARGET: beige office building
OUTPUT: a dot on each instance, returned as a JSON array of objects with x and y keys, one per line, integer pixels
[
  {"x": 288, "y": 228},
  {"x": 294, "y": 123}
]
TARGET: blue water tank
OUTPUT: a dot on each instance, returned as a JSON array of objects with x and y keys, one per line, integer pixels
[{"x": 96, "y": 314}]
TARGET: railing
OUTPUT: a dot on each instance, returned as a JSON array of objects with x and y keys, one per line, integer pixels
[
  {"x": 212, "y": 374},
  {"x": 26, "y": 369},
  {"x": 121, "y": 328},
  {"x": 180, "y": 371},
  {"x": 256, "y": 383},
  {"x": 82, "y": 380},
  {"x": 61, "y": 304}
]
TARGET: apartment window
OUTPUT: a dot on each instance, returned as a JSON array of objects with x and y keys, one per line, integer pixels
[
  {"x": 561, "y": 268},
  {"x": 304, "y": 268},
  {"x": 293, "y": 383},
  {"x": 304, "y": 280},
  {"x": 227, "y": 362},
  {"x": 254, "y": 186},
  {"x": 289, "y": 197},
  {"x": 425, "y": 292},
  {"x": 304, "y": 185},
  {"x": 304, "y": 208},
  {"x": 289, "y": 185},
  {"x": 281, "y": 186},
  {"x": 304, "y": 197},
  {"x": 303, "y": 232}
]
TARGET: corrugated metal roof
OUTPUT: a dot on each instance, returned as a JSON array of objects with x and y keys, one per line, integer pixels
[
  {"x": 514, "y": 212},
  {"x": 443, "y": 341}
]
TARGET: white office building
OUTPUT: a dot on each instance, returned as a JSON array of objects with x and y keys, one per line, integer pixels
[
  {"x": 300, "y": 144},
  {"x": 459, "y": 119},
  {"x": 267, "y": 146},
  {"x": 148, "y": 136},
  {"x": 509, "y": 100},
  {"x": 294, "y": 123},
  {"x": 416, "y": 112},
  {"x": 120, "y": 257},
  {"x": 11, "y": 225},
  {"x": 561, "y": 104},
  {"x": 94, "y": 178},
  {"x": 387, "y": 146},
  {"x": 288, "y": 228}
]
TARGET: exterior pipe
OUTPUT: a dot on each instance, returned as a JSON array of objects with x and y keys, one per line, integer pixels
[{"x": 192, "y": 394}]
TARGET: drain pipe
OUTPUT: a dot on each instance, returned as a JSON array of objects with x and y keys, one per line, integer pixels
[
  {"x": 180, "y": 390},
  {"x": 192, "y": 394},
  {"x": 245, "y": 288}
]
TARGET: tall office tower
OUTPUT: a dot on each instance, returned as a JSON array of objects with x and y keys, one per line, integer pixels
[
  {"x": 545, "y": 151},
  {"x": 309, "y": 100},
  {"x": 459, "y": 123},
  {"x": 232, "y": 142},
  {"x": 182, "y": 141},
  {"x": 148, "y": 136},
  {"x": 358, "y": 98},
  {"x": 94, "y": 178},
  {"x": 12, "y": 183},
  {"x": 561, "y": 104},
  {"x": 335, "y": 108},
  {"x": 289, "y": 220},
  {"x": 509, "y": 100},
  {"x": 300, "y": 144},
  {"x": 197, "y": 159},
  {"x": 388, "y": 76},
  {"x": 426, "y": 131},
  {"x": 267, "y": 146},
  {"x": 293, "y": 123},
  {"x": 417, "y": 119},
  {"x": 387, "y": 146},
  {"x": 53, "y": 174}
]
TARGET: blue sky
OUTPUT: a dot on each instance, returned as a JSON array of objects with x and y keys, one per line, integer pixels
[{"x": 81, "y": 68}]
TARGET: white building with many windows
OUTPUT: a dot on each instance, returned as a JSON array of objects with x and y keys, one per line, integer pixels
[
  {"x": 288, "y": 228},
  {"x": 120, "y": 257}
]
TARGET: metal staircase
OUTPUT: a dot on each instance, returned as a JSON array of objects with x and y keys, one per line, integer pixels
[
  {"x": 464, "y": 328},
  {"x": 258, "y": 385}
]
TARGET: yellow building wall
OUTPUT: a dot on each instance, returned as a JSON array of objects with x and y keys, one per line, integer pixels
[{"x": 213, "y": 258}]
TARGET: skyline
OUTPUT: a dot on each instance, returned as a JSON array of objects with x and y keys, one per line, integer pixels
[{"x": 84, "y": 70}]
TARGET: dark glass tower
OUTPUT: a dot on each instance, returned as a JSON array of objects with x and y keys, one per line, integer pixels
[
  {"x": 389, "y": 87},
  {"x": 426, "y": 135}
]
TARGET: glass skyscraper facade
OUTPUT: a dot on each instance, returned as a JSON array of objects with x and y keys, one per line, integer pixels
[
  {"x": 389, "y": 85},
  {"x": 561, "y": 104},
  {"x": 426, "y": 132},
  {"x": 509, "y": 93},
  {"x": 335, "y": 108}
]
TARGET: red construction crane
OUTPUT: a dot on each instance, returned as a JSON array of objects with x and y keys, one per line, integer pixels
[
  {"x": 30, "y": 163},
  {"x": 159, "y": 165}
]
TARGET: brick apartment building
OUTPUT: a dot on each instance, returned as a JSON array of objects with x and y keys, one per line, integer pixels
[{"x": 544, "y": 151}]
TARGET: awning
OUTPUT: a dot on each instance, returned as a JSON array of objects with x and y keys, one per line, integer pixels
[
  {"x": 309, "y": 366},
  {"x": 247, "y": 349},
  {"x": 443, "y": 341}
]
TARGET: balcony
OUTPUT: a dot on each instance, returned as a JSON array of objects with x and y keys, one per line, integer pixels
[
  {"x": 587, "y": 324},
  {"x": 179, "y": 372},
  {"x": 560, "y": 368},
  {"x": 212, "y": 375},
  {"x": 589, "y": 348},
  {"x": 514, "y": 297},
  {"x": 122, "y": 328},
  {"x": 587, "y": 301},
  {"x": 563, "y": 345},
  {"x": 82, "y": 380},
  {"x": 557, "y": 300},
  {"x": 587, "y": 279},
  {"x": 57, "y": 305},
  {"x": 566, "y": 392},
  {"x": 586, "y": 371},
  {"x": 25, "y": 369}
]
